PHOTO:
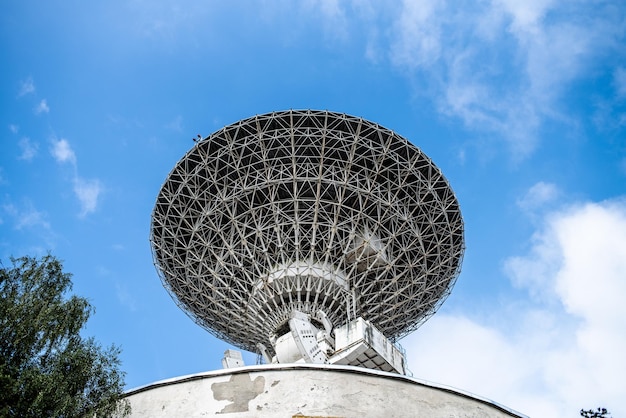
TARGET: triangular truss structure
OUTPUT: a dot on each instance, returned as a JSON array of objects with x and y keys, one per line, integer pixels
[{"x": 308, "y": 211}]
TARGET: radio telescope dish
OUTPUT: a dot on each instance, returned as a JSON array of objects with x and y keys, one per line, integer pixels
[{"x": 309, "y": 211}]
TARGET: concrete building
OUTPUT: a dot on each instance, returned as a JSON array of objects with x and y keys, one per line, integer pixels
[{"x": 307, "y": 390}]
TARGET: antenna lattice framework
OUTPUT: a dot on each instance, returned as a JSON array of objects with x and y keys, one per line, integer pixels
[{"x": 306, "y": 210}]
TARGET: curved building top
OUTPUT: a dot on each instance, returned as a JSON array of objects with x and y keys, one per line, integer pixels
[{"x": 308, "y": 390}]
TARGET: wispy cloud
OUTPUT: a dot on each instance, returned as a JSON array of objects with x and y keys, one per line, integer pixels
[
  {"x": 418, "y": 35},
  {"x": 26, "y": 87},
  {"x": 62, "y": 151},
  {"x": 42, "y": 107},
  {"x": 87, "y": 191},
  {"x": 559, "y": 350},
  {"x": 14, "y": 128},
  {"x": 26, "y": 216},
  {"x": 29, "y": 149},
  {"x": 539, "y": 195},
  {"x": 334, "y": 18},
  {"x": 501, "y": 65},
  {"x": 27, "y": 220}
]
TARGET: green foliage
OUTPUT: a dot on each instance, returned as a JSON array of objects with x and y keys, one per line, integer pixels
[
  {"x": 598, "y": 413},
  {"x": 47, "y": 369}
]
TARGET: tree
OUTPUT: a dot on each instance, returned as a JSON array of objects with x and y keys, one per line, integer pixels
[
  {"x": 47, "y": 369},
  {"x": 598, "y": 413}
]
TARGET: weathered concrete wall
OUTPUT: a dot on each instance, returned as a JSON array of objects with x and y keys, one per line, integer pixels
[{"x": 306, "y": 391}]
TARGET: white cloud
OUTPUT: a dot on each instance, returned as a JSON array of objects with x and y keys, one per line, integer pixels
[
  {"x": 42, "y": 107},
  {"x": 62, "y": 151},
  {"x": 87, "y": 192},
  {"x": 329, "y": 8},
  {"x": 525, "y": 16},
  {"x": 558, "y": 351},
  {"x": 14, "y": 128},
  {"x": 26, "y": 87},
  {"x": 26, "y": 216},
  {"x": 501, "y": 66},
  {"x": 29, "y": 149},
  {"x": 333, "y": 17},
  {"x": 419, "y": 34},
  {"x": 538, "y": 196}
]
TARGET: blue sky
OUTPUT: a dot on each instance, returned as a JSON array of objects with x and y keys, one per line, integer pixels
[{"x": 521, "y": 104}]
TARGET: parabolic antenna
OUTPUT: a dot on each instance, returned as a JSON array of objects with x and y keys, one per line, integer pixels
[{"x": 314, "y": 212}]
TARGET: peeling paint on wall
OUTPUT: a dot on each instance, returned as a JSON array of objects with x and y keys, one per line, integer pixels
[{"x": 239, "y": 390}]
